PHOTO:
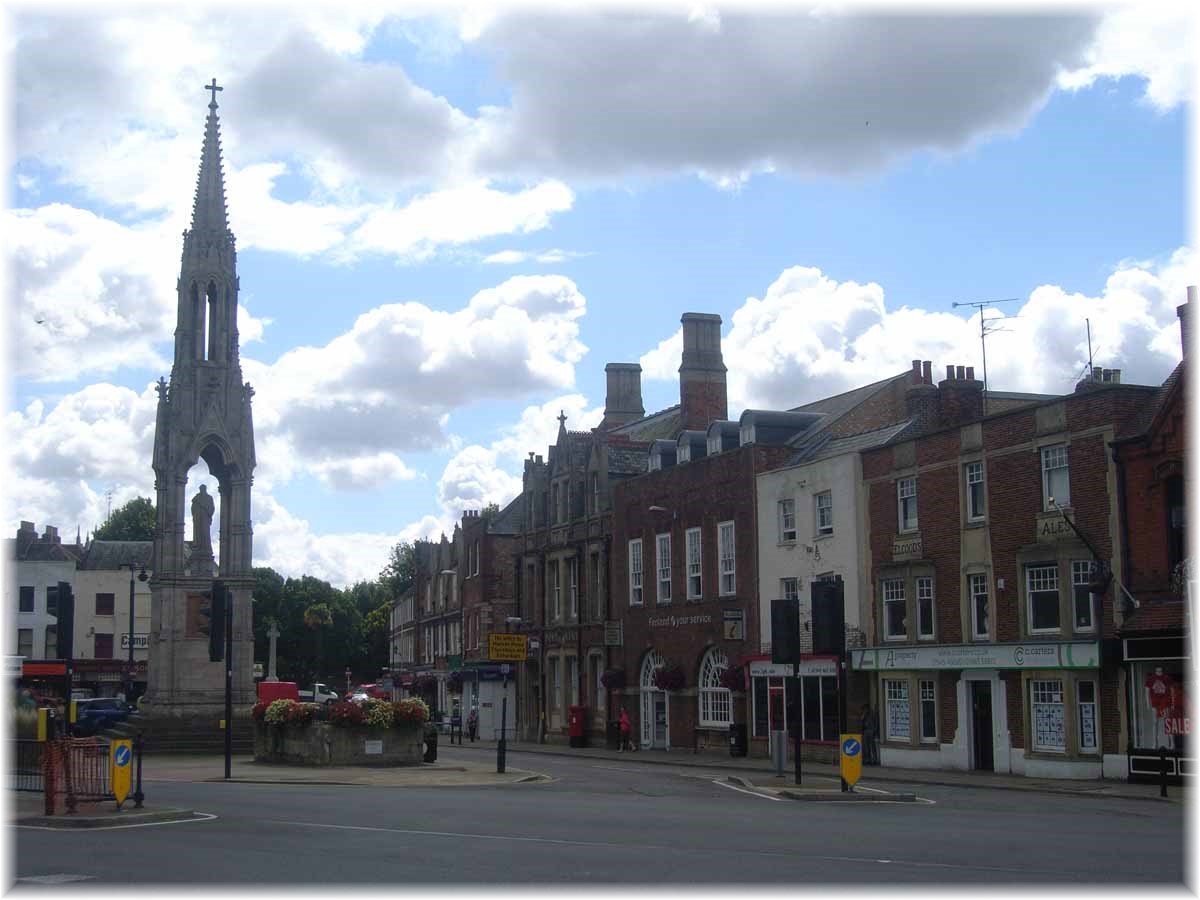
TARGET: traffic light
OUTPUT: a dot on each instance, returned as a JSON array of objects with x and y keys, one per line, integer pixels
[
  {"x": 785, "y": 631},
  {"x": 828, "y": 617},
  {"x": 66, "y": 621},
  {"x": 216, "y": 632}
]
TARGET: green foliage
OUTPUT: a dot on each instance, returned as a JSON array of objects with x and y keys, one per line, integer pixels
[
  {"x": 490, "y": 511},
  {"x": 132, "y": 522},
  {"x": 397, "y": 576}
]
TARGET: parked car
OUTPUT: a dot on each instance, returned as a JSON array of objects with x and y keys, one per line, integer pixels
[{"x": 92, "y": 716}]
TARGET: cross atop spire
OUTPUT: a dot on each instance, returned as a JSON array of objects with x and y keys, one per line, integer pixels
[
  {"x": 208, "y": 211},
  {"x": 562, "y": 419}
]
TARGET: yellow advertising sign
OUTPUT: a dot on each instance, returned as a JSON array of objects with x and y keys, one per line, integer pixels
[
  {"x": 507, "y": 647},
  {"x": 120, "y": 768},
  {"x": 851, "y": 754}
]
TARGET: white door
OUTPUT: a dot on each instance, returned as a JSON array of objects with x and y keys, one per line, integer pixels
[{"x": 650, "y": 697}]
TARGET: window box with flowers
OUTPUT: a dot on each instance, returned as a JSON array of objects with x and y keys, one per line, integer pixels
[{"x": 371, "y": 733}]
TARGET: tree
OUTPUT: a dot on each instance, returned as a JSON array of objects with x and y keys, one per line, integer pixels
[
  {"x": 318, "y": 617},
  {"x": 132, "y": 522},
  {"x": 397, "y": 576},
  {"x": 377, "y": 634},
  {"x": 490, "y": 512}
]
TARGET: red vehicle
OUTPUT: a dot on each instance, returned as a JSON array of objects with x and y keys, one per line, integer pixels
[
  {"x": 277, "y": 690},
  {"x": 373, "y": 690}
]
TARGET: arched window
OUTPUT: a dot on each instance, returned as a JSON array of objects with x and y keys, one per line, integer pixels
[
  {"x": 653, "y": 661},
  {"x": 716, "y": 702}
]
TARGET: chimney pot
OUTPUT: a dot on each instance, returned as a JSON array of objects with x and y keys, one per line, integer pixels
[
  {"x": 949, "y": 373},
  {"x": 970, "y": 373},
  {"x": 927, "y": 372},
  {"x": 961, "y": 372}
]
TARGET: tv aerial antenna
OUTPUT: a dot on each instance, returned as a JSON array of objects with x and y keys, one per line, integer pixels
[{"x": 984, "y": 331}]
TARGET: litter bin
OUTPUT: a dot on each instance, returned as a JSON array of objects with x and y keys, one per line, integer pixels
[
  {"x": 576, "y": 717},
  {"x": 737, "y": 739},
  {"x": 612, "y": 735},
  {"x": 431, "y": 741}
]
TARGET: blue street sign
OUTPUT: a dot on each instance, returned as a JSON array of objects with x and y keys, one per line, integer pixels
[
  {"x": 851, "y": 747},
  {"x": 123, "y": 755}
]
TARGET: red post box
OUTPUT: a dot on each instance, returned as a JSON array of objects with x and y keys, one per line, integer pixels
[{"x": 576, "y": 717}]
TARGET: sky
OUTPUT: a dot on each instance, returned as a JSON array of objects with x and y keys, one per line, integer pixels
[{"x": 449, "y": 222}]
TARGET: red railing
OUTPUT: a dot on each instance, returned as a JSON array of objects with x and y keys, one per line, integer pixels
[{"x": 77, "y": 770}]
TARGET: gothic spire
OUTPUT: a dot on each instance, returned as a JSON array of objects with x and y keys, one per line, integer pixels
[{"x": 208, "y": 211}]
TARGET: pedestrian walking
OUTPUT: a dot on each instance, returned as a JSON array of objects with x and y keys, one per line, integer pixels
[
  {"x": 625, "y": 727},
  {"x": 870, "y": 733},
  {"x": 472, "y": 723}
]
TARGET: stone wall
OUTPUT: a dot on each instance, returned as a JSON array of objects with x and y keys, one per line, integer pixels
[{"x": 322, "y": 744}]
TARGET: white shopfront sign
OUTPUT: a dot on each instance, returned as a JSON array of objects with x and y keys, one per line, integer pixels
[
  {"x": 808, "y": 667},
  {"x": 1029, "y": 655},
  {"x": 140, "y": 640}
]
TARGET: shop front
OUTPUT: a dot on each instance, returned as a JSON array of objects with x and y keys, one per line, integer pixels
[
  {"x": 815, "y": 704},
  {"x": 948, "y": 706},
  {"x": 1158, "y": 707},
  {"x": 484, "y": 689}
]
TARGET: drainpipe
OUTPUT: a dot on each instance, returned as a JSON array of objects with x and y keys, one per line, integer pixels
[{"x": 1123, "y": 516}]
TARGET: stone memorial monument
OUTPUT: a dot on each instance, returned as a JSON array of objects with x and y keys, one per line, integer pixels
[{"x": 203, "y": 413}]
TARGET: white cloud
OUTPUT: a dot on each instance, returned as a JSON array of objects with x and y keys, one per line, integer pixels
[
  {"x": 472, "y": 479},
  {"x": 1153, "y": 41},
  {"x": 386, "y": 384},
  {"x": 810, "y": 337},
  {"x": 362, "y": 472},
  {"x": 458, "y": 215},
  {"x": 92, "y": 295},
  {"x": 515, "y": 257}
]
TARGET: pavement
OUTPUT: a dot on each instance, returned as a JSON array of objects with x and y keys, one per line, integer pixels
[
  {"x": 762, "y": 773},
  {"x": 30, "y": 807}
]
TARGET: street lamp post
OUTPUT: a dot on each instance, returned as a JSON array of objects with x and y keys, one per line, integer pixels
[
  {"x": 142, "y": 576},
  {"x": 502, "y": 745}
]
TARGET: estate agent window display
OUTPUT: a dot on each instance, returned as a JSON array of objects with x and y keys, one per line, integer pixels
[
  {"x": 909, "y": 708},
  {"x": 1062, "y": 714}
]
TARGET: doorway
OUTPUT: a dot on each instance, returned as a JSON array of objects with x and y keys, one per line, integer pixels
[
  {"x": 982, "y": 726},
  {"x": 660, "y": 720}
]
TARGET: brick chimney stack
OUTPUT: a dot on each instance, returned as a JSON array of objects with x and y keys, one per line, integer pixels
[
  {"x": 921, "y": 397},
  {"x": 960, "y": 396},
  {"x": 26, "y": 535},
  {"x": 623, "y": 400},
  {"x": 703, "y": 396}
]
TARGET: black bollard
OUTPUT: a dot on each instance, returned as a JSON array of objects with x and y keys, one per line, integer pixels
[
  {"x": 1162, "y": 771},
  {"x": 138, "y": 796}
]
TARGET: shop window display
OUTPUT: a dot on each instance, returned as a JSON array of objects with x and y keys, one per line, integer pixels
[{"x": 1160, "y": 706}]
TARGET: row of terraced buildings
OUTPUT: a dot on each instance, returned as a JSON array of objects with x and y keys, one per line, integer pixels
[{"x": 1013, "y": 568}]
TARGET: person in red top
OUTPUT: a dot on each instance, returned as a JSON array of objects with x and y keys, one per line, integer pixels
[
  {"x": 1159, "y": 687},
  {"x": 625, "y": 742}
]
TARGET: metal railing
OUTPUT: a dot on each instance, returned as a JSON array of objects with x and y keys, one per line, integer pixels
[{"x": 27, "y": 765}]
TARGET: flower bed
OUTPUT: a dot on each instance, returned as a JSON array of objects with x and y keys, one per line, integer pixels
[{"x": 373, "y": 733}]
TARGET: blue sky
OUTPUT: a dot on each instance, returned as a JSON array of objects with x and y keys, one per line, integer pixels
[{"x": 391, "y": 176}]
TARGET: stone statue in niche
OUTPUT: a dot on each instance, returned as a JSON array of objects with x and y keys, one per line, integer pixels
[{"x": 202, "y": 516}]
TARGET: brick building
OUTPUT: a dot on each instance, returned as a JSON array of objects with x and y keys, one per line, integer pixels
[
  {"x": 1155, "y": 628},
  {"x": 989, "y": 539},
  {"x": 564, "y": 595}
]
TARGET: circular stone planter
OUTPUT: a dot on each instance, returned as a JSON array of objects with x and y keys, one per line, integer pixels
[{"x": 323, "y": 744}]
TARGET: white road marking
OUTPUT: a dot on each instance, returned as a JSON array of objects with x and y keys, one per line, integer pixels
[
  {"x": 733, "y": 787},
  {"x": 55, "y": 879},
  {"x": 197, "y": 817}
]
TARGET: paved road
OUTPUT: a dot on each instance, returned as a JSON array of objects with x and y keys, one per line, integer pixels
[{"x": 626, "y": 822}]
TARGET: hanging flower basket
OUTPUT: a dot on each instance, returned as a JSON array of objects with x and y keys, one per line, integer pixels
[
  {"x": 424, "y": 684},
  {"x": 733, "y": 679},
  {"x": 669, "y": 678},
  {"x": 613, "y": 679},
  {"x": 454, "y": 684}
]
